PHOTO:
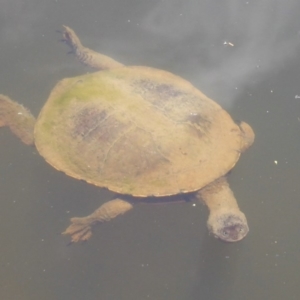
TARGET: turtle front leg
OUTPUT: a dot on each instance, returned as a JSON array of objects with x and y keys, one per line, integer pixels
[
  {"x": 225, "y": 220},
  {"x": 81, "y": 228},
  {"x": 18, "y": 118},
  {"x": 87, "y": 56}
]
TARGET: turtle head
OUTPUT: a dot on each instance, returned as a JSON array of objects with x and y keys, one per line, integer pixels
[{"x": 228, "y": 226}]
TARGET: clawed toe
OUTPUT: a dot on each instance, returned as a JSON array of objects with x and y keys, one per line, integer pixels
[{"x": 78, "y": 231}]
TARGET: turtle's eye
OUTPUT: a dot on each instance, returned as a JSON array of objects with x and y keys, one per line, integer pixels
[{"x": 225, "y": 233}]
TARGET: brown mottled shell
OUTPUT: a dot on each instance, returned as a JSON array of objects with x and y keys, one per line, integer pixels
[{"x": 137, "y": 131}]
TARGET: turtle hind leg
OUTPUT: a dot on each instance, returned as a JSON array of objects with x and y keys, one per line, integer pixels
[
  {"x": 81, "y": 228},
  {"x": 87, "y": 56},
  {"x": 18, "y": 118}
]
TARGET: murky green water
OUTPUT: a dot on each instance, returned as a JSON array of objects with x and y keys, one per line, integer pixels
[{"x": 243, "y": 54}]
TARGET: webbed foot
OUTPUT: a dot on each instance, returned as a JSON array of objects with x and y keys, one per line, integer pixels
[
  {"x": 80, "y": 229},
  {"x": 85, "y": 55}
]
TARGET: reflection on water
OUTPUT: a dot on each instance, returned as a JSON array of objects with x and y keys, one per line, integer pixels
[{"x": 156, "y": 252}]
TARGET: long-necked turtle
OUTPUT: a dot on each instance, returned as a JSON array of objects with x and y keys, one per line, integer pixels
[{"x": 139, "y": 132}]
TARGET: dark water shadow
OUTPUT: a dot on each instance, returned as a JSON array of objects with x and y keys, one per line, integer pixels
[{"x": 217, "y": 270}]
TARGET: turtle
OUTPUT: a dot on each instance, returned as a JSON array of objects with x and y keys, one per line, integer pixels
[{"x": 143, "y": 133}]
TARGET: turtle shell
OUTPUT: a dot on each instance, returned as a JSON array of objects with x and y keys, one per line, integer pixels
[{"x": 137, "y": 131}]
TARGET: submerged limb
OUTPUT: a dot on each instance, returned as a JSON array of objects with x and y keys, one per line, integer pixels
[
  {"x": 18, "y": 118},
  {"x": 86, "y": 55},
  {"x": 81, "y": 228},
  {"x": 225, "y": 221}
]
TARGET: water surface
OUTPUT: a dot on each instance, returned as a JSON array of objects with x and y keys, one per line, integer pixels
[{"x": 243, "y": 54}]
